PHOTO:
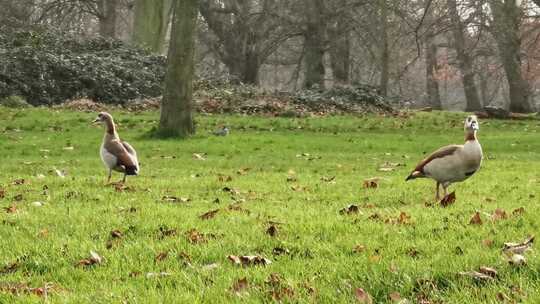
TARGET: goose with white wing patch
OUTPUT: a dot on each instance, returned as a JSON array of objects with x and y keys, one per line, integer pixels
[
  {"x": 454, "y": 163},
  {"x": 116, "y": 154}
]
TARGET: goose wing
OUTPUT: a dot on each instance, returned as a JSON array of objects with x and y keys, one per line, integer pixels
[
  {"x": 117, "y": 148},
  {"x": 440, "y": 153}
]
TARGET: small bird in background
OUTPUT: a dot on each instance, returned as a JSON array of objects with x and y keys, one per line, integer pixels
[
  {"x": 223, "y": 131},
  {"x": 454, "y": 163},
  {"x": 116, "y": 154}
]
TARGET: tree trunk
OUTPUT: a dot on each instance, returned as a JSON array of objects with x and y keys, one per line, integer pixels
[
  {"x": 107, "y": 17},
  {"x": 340, "y": 53},
  {"x": 385, "y": 52},
  {"x": 506, "y": 21},
  {"x": 176, "y": 108},
  {"x": 314, "y": 45},
  {"x": 465, "y": 62},
  {"x": 432, "y": 84},
  {"x": 151, "y": 23}
]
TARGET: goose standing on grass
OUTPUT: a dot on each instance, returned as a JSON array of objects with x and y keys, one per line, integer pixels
[
  {"x": 454, "y": 163},
  {"x": 116, "y": 154}
]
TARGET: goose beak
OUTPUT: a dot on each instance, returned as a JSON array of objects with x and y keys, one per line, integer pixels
[{"x": 95, "y": 121}]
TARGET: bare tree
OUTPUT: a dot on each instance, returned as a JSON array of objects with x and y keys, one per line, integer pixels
[
  {"x": 176, "y": 108},
  {"x": 465, "y": 61},
  {"x": 506, "y": 31}
]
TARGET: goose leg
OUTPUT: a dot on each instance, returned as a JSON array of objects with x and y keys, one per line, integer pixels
[
  {"x": 110, "y": 175},
  {"x": 437, "y": 196},
  {"x": 124, "y": 179},
  {"x": 445, "y": 187}
]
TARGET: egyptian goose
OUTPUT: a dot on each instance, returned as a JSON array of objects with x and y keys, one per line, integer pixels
[
  {"x": 116, "y": 154},
  {"x": 454, "y": 163}
]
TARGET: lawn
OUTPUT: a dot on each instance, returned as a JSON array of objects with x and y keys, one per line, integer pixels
[{"x": 279, "y": 185}]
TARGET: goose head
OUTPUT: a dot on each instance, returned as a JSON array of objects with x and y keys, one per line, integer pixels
[
  {"x": 103, "y": 118},
  {"x": 471, "y": 124}
]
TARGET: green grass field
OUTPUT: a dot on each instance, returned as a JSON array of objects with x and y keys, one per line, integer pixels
[{"x": 294, "y": 174}]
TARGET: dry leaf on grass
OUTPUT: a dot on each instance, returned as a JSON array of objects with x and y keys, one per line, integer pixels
[
  {"x": 161, "y": 256},
  {"x": 240, "y": 286},
  {"x": 174, "y": 199},
  {"x": 20, "y": 181},
  {"x": 362, "y": 296},
  {"x": 351, "y": 209},
  {"x": 517, "y": 260},
  {"x": 371, "y": 182},
  {"x": 208, "y": 215},
  {"x": 2, "y": 193},
  {"x": 199, "y": 156},
  {"x": 519, "y": 211},
  {"x": 448, "y": 199},
  {"x": 518, "y": 248},
  {"x": 195, "y": 237},
  {"x": 499, "y": 214},
  {"x": 11, "y": 209},
  {"x": 249, "y": 260},
  {"x": 272, "y": 230},
  {"x": 116, "y": 234},
  {"x": 94, "y": 259},
  {"x": 476, "y": 219}
]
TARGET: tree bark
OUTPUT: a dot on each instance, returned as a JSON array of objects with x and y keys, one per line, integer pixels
[
  {"x": 465, "y": 62},
  {"x": 107, "y": 17},
  {"x": 432, "y": 84},
  {"x": 176, "y": 108},
  {"x": 385, "y": 52},
  {"x": 340, "y": 53},
  {"x": 505, "y": 28},
  {"x": 151, "y": 23},
  {"x": 314, "y": 45},
  {"x": 239, "y": 45}
]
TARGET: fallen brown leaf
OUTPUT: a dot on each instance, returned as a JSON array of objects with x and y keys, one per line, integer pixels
[
  {"x": 249, "y": 260},
  {"x": 272, "y": 230},
  {"x": 517, "y": 260},
  {"x": 240, "y": 286},
  {"x": 195, "y": 237},
  {"x": 11, "y": 209},
  {"x": 2, "y": 193},
  {"x": 161, "y": 256},
  {"x": 448, "y": 199},
  {"x": 116, "y": 234},
  {"x": 371, "y": 182},
  {"x": 395, "y": 297},
  {"x": 174, "y": 199},
  {"x": 243, "y": 171},
  {"x": 499, "y": 214},
  {"x": 359, "y": 248},
  {"x": 351, "y": 209},
  {"x": 20, "y": 181},
  {"x": 224, "y": 178},
  {"x": 487, "y": 242},
  {"x": 208, "y": 215},
  {"x": 476, "y": 219},
  {"x": 362, "y": 296},
  {"x": 328, "y": 179},
  {"x": 519, "y": 211},
  {"x": 11, "y": 267},
  {"x": 199, "y": 156},
  {"x": 476, "y": 275},
  {"x": 280, "y": 251},
  {"x": 164, "y": 231},
  {"x": 92, "y": 260},
  {"x": 518, "y": 248},
  {"x": 488, "y": 271}
]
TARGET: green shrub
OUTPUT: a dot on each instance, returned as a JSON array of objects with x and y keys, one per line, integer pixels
[
  {"x": 48, "y": 67},
  {"x": 14, "y": 101}
]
